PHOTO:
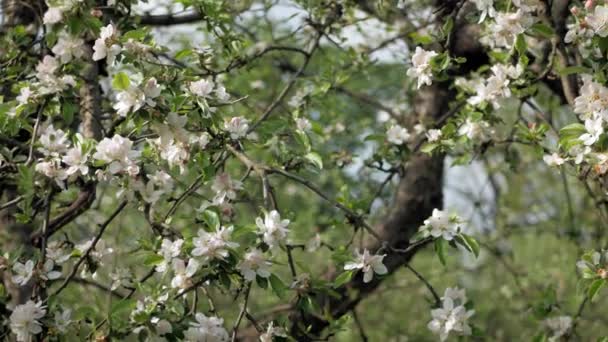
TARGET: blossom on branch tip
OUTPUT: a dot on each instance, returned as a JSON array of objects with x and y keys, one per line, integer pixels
[
  {"x": 368, "y": 263},
  {"x": 441, "y": 224}
]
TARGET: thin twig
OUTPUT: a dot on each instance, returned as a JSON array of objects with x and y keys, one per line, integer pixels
[
  {"x": 102, "y": 229},
  {"x": 242, "y": 313},
  {"x": 426, "y": 283}
]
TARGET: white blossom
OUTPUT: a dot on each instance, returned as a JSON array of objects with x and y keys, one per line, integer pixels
[
  {"x": 496, "y": 87},
  {"x": 63, "y": 319},
  {"x": 506, "y": 27},
  {"x": 593, "y": 99},
  {"x": 201, "y": 140},
  {"x": 24, "y": 320},
  {"x": 48, "y": 270},
  {"x": 529, "y": 5},
  {"x": 559, "y": 326},
  {"x": 57, "y": 251},
  {"x": 169, "y": 250},
  {"x": 479, "y": 131},
  {"x": 272, "y": 331},
  {"x": 553, "y": 159},
  {"x": 68, "y": 47},
  {"x": 25, "y": 94},
  {"x": 213, "y": 245},
  {"x": 594, "y": 129},
  {"x": 76, "y": 161},
  {"x": 183, "y": 273},
  {"x": 368, "y": 263},
  {"x": 598, "y": 20},
  {"x": 206, "y": 329},
  {"x": 53, "y": 15},
  {"x": 273, "y": 229},
  {"x": 118, "y": 153},
  {"x": 49, "y": 82},
  {"x": 202, "y": 88},
  {"x": 314, "y": 243},
  {"x": 104, "y": 46},
  {"x": 486, "y": 7},
  {"x": 452, "y": 316},
  {"x": 433, "y": 135},
  {"x": 53, "y": 170},
  {"x": 441, "y": 224},
  {"x": 129, "y": 100},
  {"x": 421, "y": 66},
  {"x": 221, "y": 94},
  {"x": 578, "y": 33},
  {"x": 162, "y": 326},
  {"x": 225, "y": 187},
  {"x": 397, "y": 135},
  {"x": 54, "y": 141},
  {"x": 23, "y": 272},
  {"x": 303, "y": 124},
  {"x": 579, "y": 152},
  {"x": 254, "y": 263},
  {"x": 237, "y": 127}
]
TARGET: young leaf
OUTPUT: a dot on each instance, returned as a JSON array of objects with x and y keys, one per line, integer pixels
[
  {"x": 470, "y": 244},
  {"x": 121, "y": 81},
  {"x": 278, "y": 287},
  {"x": 440, "y": 250},
  {"x": 594, "y": 288},
  {"x": 343, "y": 278}
]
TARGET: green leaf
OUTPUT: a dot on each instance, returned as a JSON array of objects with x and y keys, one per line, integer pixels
[
  {"x": 68, "y": 110},
  {"x": 343, "y": 278},
  {"x": 153, "y": 259},
  {"x": 575, "y": 69},
  {"x": 135, "y": 34},
  {"x": 183, "y": 54},
  {"x": 211, "y": 218},
  {"x": 440, "y": 250},
  {"x": 594, "y": 288},
  {"x": 421, "y": 39},
  {"x": 121, "y": 81},
  {"x": 303, "y": 140},
  {"x": 123, "y": 305},
  {"x": 542, "y": 30},
  {"x": 469, "y": 243},
  {"x": 429, "y": 147},
  {"x": 315, "y": 159},
  {"x": 262, "y": 282},
  {"x": 278, "y": 287},
  {"x": 520, "y": 45}
]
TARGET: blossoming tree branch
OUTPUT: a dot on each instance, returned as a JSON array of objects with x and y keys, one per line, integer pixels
[{"x": 211, "y": 170}]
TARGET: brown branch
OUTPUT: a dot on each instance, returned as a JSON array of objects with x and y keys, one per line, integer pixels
[
  {"x": 102, "y": 229},
  {"x": 80, "y": 205},
  {"x": 171, "y": 19}
]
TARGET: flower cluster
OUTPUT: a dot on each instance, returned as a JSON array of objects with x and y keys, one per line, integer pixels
[
  {"x": 274, "y": 230},
  {"x": 441, "y": 225},
  {"x": 421, "y": 68},
  {"x": 206, "y": 329},
  {"x": 452, "y": 316}
]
